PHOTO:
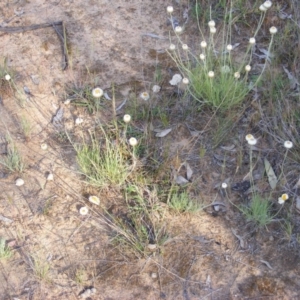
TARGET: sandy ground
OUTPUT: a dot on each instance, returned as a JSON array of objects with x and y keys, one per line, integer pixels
[{"x": 109, "y": 42}]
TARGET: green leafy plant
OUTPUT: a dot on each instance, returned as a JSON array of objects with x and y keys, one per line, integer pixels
[
  {"x": 180, "y": 201},
  {"x": 5, "y": 252},
  {"x": 258, "y": 211},
  {"x": 214, "y": 76},
  {"x": 104, "y": 164},
  {"x": 13, "y": 161}
]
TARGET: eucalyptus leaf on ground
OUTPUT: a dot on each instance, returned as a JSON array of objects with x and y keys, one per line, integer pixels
[
  {"x": 163, "y": 133},
  {"x": 271, "y": 174},
  {"x": 189, "y": 171},
  {"x": 181, "y": 180}
]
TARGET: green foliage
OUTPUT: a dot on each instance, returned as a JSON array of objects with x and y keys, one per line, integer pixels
[
  {"x": 84, "y": 98},
  {"x": 13, "y": 161},
  {"x": 258, "y": 211},
  {"x": 104, "y": 164},
  {"x": 180, "y": 201},
  {"x": 5, "y": 252}
]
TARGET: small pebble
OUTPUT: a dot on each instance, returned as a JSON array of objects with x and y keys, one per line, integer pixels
[
  {"x": 19, "y": 182},
  {"x": 78, "y": 121},
  {"x": 154, "y": 275},
  {"x": 50, "y": 177}
]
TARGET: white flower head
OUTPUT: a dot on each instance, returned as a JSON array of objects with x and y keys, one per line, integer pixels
[
  {"x": 44, "y": 146},
  {"x": 170, "y": 9},
  {"x": 97, "y": 92},
  {"x": 185, "y": 47},
  {"x": 211, "y": 74},
  {"x": 283, "y": 198},
  {"x": 252, "y": 41},
  {"x": 156, "y": 89},
  {"x": 212, "y": 30},
  {"x": 175, "y": 79},
  {"x": 267, "y": 4},
  {"x": 249, "y": 137},
  {"x": 288, "y": 144},
  {"x": 224, "y": 185},
  {"x": 178, "y": 29},
  {"x": 202, "y": 56},
  {"x": 262, "y": 8},
  {"x": 185, "y": 81},
  {"x": 237, "y": 75},
  {"x": 203, "y": 44},
  {"x": 280, "y": 200},
  {"x": 273, "y": 30},
  {"x": 211, "y": 23},
  {"x": 78, "y": 121},
  {"x": 127, "y": 118},
  {"x": 252, "y": 141},
  {"x": 172, "y": 47},
  {"x": 19, "y": 182},
  {"x": 229, "y": 47},
  {"x": 84, "y": 211},
  {"x": 133, "y": 141},
  {"x": 248, "y": 68},
  {"x": 67, "y": 101},
  {"x": 145, "y": 96},
  {"x": 94, "y": 200},
  {"x": 7, "y": 77},
  {"x": 225, "y": 69},
  {"x": 50, "y": 177}
]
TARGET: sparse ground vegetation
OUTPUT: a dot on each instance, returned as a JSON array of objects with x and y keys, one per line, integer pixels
[{"x": 176, "y": 177}]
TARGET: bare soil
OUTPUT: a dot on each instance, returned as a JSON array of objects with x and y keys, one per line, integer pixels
[{"x": 209, "y": 255}]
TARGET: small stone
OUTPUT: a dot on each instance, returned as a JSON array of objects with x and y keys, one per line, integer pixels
[
  {"x": 78, "y": 121},
  {"x": 50, "y": 177},
  {"x": 93, "y": 290},
  {"x": 67, "y": 101},
  {"x": 216, "y": 207},
  {"x": 154, "y": 275},
  {"x": 271, "y": 238},
  {"x": 19, "y": 182}
]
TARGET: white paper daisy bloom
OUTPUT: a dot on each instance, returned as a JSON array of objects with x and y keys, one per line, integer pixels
[
  {"x": 288, "y": 144},
  {"x": 127, "y": 118},
  {"x": 252, "y": 142},
  {"x": 203, "y": 44},
  {"x": 172, "y": 47},
  {"x": 83, "y": 210},
  {"x": 170, "y": 9},
  {"x": 211, "y": 74},
  {"x": 185, "y": 81},
  {"x": 178, "y": 29},
  {"x": 145, "y": 96},
  {"x": 248, "y": 68},
  {"x": 133, "y": 142},
  {"x": 211, "y": 23},
  {"x": 224, "y": 185},
  {"x": 252, "y": 41},
  {"x": 273, "y": 30},
  {"x": 97, "y": 92},
  {"x": 94, "y": 200}
]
